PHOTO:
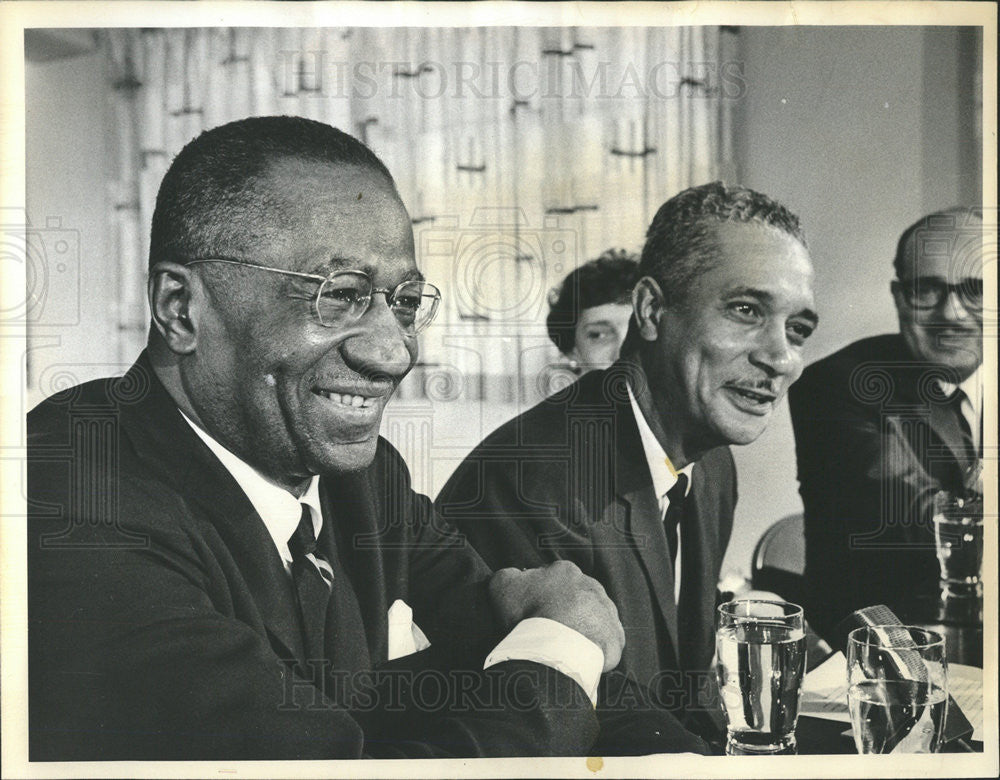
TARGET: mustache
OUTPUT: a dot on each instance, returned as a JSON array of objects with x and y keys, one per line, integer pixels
[{"x": 956, "y": 331}]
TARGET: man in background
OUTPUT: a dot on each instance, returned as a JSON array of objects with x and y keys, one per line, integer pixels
[
  {"x": 627, "y": 472},
  {"x": 225, "y": 559},
  {"x": 886, "y": 422}
]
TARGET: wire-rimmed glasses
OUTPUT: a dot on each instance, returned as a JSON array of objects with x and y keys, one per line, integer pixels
[{"x": 344, "y": 296}]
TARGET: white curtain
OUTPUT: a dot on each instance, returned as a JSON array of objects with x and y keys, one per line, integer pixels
[{"x": 519, "y": 152}]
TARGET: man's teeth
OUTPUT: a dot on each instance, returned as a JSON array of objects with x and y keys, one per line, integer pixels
[
  {"x": 752, "y": 395},
  {"x": 347, "y": 399}
]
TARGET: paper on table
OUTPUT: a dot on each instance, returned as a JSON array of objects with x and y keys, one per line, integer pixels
[
  {"x": 965, "y": 684},
  {"x": 824, "y": 692}
]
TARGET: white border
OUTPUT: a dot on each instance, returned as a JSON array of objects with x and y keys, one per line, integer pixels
[{"x": 16, "y": 16}]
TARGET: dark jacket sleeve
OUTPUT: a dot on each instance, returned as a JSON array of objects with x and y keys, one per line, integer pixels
[{"x": 868, "y": 500}]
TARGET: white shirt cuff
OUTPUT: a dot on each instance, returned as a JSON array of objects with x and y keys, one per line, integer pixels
[{"x": 553, "y": 644}]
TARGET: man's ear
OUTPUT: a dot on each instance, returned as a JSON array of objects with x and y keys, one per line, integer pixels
[
  {"x": 647, "y": 307},
  {"x": 896, "y": 288},
  {"x": 169, "y": 291}
]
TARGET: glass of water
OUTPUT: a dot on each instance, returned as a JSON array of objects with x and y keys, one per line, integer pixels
[
  {"x": 897, "y": 689},
  {"x": 958, "y": 536},
  {"x": 760, "y": 662}
]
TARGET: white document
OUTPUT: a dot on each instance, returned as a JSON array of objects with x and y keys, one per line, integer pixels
[
  {"x": 965, "y": 684},
  {"x": 824, "y": 692}
]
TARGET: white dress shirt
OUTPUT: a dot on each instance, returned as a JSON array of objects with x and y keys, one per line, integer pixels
[
  {"x": 539, "y": 640},
  {"x": 664, "y": 477},
  {"x": 278, "y": 508}
]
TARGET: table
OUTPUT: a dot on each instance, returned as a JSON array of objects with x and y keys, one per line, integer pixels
[{"x": 962, "y": 629}]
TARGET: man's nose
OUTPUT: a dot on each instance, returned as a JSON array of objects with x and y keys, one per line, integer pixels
[
  {"x": 377, "y": 345},
  {"x": 775, "y": 354},
  {"x": 953, "y": 306}
]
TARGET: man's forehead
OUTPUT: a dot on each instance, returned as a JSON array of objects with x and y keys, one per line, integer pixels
[
  {"x": 304, "y": 181},
  {"x": 948, "y": 253},
  {"x": 331, "y": 217},
  {"x": 750, "y": 249}
]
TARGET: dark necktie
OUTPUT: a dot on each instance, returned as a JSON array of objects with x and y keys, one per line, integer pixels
[
  {"x": 968, "y": 444},
  {"x": 313, "y": 579},
  {"x": 673, "y": 515}
]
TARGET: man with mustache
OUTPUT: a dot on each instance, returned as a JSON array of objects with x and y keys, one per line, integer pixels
[
  {"x": 226, "y": 561},
  {"x": 629, "y": 465},
  {"x": 886, "y": 422}
]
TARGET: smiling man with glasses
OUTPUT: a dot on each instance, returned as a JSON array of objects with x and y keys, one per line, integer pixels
[
  {"x": 225, "y": 559},
  {"x": 886, "y": 422}
]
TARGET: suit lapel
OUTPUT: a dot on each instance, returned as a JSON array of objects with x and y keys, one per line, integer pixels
[
  {"x": 356, "y": 624},
  {"x": 640, "y": 505},
  {"x": 643, "y": 522},
  {"x": 252, "y": 547},
  {"x": 946, "y": 455},
  {"x": 164, "y": 439},
  {"x": 945, "y": 426}
]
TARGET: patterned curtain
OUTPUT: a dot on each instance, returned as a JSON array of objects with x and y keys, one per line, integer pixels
[{"x": 519, "y": 152}]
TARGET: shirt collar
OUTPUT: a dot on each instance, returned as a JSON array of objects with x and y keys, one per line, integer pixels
[
  {"x": 972, "y": 387},
  {"x": 278, "y": 508},
  {"x": 660, "y": 468}
]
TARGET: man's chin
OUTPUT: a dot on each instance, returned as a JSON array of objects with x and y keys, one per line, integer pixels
[
  {"x": 740, "y": 432},
  {"x": 962, "y": 358},
  {"x": 346, "y": 457}
]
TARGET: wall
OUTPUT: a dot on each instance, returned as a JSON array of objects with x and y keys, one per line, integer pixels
[
  {"x": 859, "y": 130},
  {"x": 861, "y": 133},
  {"x": 72, "y": 333}
]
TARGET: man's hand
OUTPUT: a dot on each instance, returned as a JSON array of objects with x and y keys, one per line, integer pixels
[{"x": 561, "y": 592}]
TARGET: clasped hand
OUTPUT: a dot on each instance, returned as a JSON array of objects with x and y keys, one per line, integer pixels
[{"x": 561, "y": 592}]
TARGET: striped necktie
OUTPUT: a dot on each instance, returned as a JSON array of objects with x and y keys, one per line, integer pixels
[{"x": 313, "y": 579}]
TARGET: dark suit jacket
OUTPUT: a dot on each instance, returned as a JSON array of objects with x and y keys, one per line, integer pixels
[
  {"x": 874, "y": 441},
  {"x": 568, "y": 479},
  {"x": 163, "y": 624}
]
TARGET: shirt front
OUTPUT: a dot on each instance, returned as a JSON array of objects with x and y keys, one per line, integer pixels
[
  {"x": 664, "y": 477},
  {"x": 278, "y": 508}
]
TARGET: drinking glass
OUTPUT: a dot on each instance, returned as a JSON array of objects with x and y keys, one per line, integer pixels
[
  {"x": 958, "y": 536},
  {"x": 760, "y": 663},
  {"x": 897, "y": 689}
]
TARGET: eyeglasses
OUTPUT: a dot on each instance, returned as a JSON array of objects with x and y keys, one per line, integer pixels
[
  {"x": 344, "y": 296},
  {"x": 928, "y": 292}
]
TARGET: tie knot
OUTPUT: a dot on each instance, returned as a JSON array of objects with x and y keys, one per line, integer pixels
[
  {"x": 303, "y": 541},
  {"x": 676, "y": 494}
]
